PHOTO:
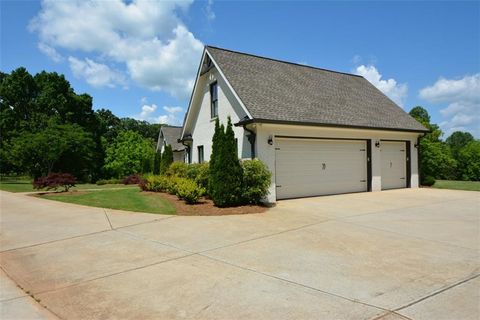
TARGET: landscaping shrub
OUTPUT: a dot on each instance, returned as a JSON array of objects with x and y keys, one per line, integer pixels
[
  {"x": 189, "y": 190},
  {"x": 132, "y": 179},
  {"x": 54, "y": 181},
  {"x": 167, "y": 159},
  {"x": 154, "y": 183},
  {"x": 428, "y": 181},
  {"x": 102, "y": 182},
  {"x": 178, "y": 169},
  {"x": 226, "y": 173},
  {"x": 256, "y": 181},
  {"x": 199, "y": 173}
]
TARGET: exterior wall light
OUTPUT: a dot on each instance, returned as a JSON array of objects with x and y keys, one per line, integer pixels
[
  {"x": 270, "y": 140},
  {"x": 377, "y": 144},
  {"x": 416, "y": 145}
]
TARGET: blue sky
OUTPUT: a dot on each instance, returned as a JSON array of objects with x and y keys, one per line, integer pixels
[{"x": 139, "y": 58}]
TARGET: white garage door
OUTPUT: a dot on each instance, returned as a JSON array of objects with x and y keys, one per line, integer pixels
[
  {"x": 394, "y": 165},
  {"x": 311, "y": 167}
]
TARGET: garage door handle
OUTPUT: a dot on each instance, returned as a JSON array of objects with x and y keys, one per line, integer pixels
[{"x": 324, "y": 166}]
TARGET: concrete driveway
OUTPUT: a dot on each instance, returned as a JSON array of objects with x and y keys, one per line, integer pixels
[{"x": 401, "y": 254}]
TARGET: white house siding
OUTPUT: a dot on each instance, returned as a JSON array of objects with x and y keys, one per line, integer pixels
[
  {"x": 266, "y": 152},
  {"x": 204, "y": 127}
]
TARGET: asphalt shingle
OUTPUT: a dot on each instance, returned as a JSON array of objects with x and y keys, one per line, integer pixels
[{"x": 281, "y": 91}]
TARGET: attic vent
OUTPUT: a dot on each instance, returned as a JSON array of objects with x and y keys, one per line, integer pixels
[{"x": 207, "y": 65}]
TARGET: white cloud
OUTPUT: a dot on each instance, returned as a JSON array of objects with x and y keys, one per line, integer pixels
[
  {"x": 147, "y": 37},
  {"x": 96, "y": 74},
  {"x": 462, "y": 97},
  {"x": 50, "y": 52},
  {"x": 173, "y": 109},
  {"x": 209, "y": 11},
  {"x": 173, "y": 115},
  {"x": 147, "y": 111},
  {"x": 395, "y": 91}
]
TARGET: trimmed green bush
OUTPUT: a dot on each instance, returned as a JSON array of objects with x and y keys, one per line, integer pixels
[
  {"x": 172, "y": 184},
  {"x": 154, "y": 183},
  {"x": 199, "y": 172},
  {"x": 107, "y": 181},
  {"x": 428, "y": 181},
  {"x": 189, "y": 191},
  {"x": 256, "y": 181},
  {"x": 178, "y": 169}
]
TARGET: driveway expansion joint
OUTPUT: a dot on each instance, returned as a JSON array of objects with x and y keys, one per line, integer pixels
[
  {"x": 294, "y": 283},
  {"x": 439, "y": 291}
]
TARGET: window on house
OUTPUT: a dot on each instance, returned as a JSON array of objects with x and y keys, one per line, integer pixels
[
  {"x": 200, "y": 154},
  {"x": 214, "y": 100}
]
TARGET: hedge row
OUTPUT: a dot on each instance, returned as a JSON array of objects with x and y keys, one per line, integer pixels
[{"x": 191, "y": 181}]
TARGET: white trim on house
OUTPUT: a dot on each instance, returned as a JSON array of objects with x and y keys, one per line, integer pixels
[
  {"x": 224, "y": 78},
  {"x": 230, "y": 86}
]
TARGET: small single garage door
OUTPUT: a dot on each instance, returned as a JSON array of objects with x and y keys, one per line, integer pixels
[
  {"x": 312, "y": 167},
  {"x": 394, "y": 164}
]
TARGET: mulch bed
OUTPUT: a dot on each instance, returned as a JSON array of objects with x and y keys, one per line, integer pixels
[{"x": 206, "y": 207}]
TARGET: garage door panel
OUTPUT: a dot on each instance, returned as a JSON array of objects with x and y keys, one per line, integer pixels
[
  {"x": 318, "y": 167},
  {"x": 394, "y": 164}
]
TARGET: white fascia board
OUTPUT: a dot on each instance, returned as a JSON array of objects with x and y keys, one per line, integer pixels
[
  {"x": 230, "y": 86},
  {"x": 193, "y": 93}
]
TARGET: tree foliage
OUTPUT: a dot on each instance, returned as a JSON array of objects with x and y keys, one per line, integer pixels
[
  {"x": 453, "y": 159},
  {"x": 167, "y": 159},
  {"x": 127, "y": 154},
  {"x": 29, "y": 105},
  {"x": 458, "y": 140},
  {"x": 469, "y": 161},
  {"x": 61, "y": 148},
  {"x": 226, "y": 173}
]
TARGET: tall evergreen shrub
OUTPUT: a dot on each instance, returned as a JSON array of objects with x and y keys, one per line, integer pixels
[
  {"x": 156, "y": 162},
  {"x": 226, "y": 173},
  {"x": 167, "y": 159}
]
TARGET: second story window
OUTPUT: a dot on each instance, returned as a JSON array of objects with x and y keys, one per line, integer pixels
[{"x": 214, "y": 100}]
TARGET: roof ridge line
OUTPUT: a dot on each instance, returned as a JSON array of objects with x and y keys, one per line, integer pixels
[{"x": 283, "y": 61}]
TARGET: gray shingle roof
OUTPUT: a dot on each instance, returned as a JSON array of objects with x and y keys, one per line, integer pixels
[
  {"x": 171, "y": 135},
  {"x": 280, "y": 91}
]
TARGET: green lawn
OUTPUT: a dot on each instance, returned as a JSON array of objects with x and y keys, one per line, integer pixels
[
  {"x": 457, "y": 185},
  {"x": 22, "y": 184},
  {"x": 131, "y": 199}
]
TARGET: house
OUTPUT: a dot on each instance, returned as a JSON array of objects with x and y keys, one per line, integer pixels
[
  {"x": 319, "y": 131},
  {"x": 169, "y": 135}
]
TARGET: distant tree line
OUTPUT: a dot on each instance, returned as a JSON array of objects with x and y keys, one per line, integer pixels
[
  {"x": 456, "y": 158},
  {"x": 46, "y": 127}
]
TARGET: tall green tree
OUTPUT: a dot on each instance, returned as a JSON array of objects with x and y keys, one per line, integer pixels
[
  {"x": 226, "y": 171},
  {"x": 167, "y": 159},
  {"x": 127, "y": 154},
  {"x": 61, "y": 148},
  {"x": 469, "y": 161},
  {"x": 459, "y": 140},
  {"x": 436, "y": 158},
  {"x": 157, "y": 162}
]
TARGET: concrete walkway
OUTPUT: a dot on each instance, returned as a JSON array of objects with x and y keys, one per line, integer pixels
[{"x": 402, "y": 254}]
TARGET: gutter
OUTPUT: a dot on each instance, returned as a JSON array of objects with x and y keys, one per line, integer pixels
[{"x": 313, "y": 124}]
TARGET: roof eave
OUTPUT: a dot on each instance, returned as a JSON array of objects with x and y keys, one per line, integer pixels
[{"x": 315, "y": 124}]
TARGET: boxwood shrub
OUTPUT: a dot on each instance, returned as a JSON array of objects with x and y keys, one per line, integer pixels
[{"x": 256, "y": 181}]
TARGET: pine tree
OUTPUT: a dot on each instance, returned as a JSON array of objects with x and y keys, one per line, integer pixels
[
  {"x": 167, "y": 159},
  {"x": 226, "y": 171},
  {"x": 156, "y": 162}
]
